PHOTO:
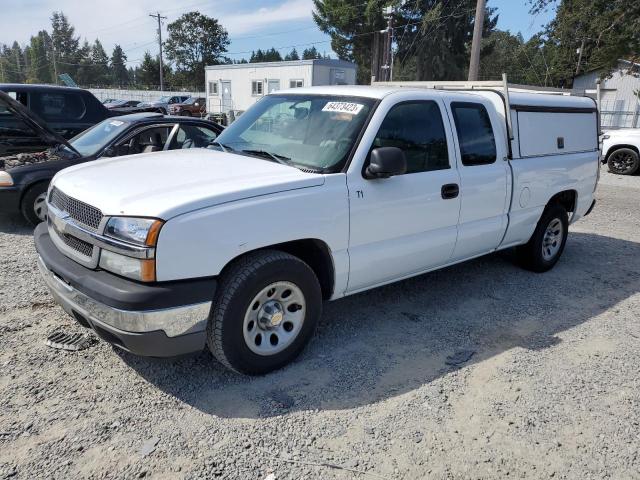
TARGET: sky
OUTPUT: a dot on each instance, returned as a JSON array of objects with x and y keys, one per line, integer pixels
[{"x": 251, "y": 24}]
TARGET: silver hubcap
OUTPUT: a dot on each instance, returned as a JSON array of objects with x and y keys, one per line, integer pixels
[
  {"x": 40, "y": 207},
  {"x": 552, "y": 239},
  {"x": 274, "y": 318}
]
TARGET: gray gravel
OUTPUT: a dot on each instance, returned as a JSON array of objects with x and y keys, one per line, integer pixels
[{"x": 481, "y": 370}]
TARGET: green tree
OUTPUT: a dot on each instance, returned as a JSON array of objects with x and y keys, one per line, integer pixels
[
  {"x": 349, "y": 23},
  {"x": 119, "y": 73},
  {"x": 311, "y": 54},
  {"x": 38, "y": 71},
  {"x": 435, "y": 35},
  {"x": 194, "y": 42},
  {"x": 147, "y": 76},
  {"x": 292, "y": 55},
  {"x": 101, "y": 74},
  {"x": 65, "y": 44},
  {"x": 84, "y": 69}
]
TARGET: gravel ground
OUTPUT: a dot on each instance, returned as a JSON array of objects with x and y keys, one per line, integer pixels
[{"x": 546, "y": 385}]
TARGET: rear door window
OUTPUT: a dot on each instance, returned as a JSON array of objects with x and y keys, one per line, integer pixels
[
  {"x": 58, "y": 106},
  {"x": 475, "y": 134}
]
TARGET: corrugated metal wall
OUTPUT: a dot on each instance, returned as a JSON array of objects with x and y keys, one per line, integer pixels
[{"x": 619, "y": 101}]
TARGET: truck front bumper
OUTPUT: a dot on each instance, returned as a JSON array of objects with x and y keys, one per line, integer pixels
[{"x": 159, "y": 320}]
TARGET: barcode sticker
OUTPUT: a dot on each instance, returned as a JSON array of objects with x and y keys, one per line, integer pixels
[{"x": 343, "y": 107}]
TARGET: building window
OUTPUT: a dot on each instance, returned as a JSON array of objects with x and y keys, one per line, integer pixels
[
  {"x": 257, "y": 87},
  {"x": 296, "y": 83},
  {"x": 213, "y": 88}
]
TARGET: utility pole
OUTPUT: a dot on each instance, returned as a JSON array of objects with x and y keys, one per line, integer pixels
[
  {"x": 474, "y": 64},
  {"x": 580, "y": 50},
  {"x": 160, "y": 18},
  {"x": 55, "y": 65},
  {"x": 387, "y": 50}
]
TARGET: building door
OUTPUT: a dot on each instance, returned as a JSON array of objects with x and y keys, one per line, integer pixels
[
  {"x": 226, "y": 100},
  {"x": 273, "y": 85}
]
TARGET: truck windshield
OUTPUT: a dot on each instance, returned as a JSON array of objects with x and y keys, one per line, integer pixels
[
  {"x": 93, "y": 140},
  {"x": 308, "y": 131}
]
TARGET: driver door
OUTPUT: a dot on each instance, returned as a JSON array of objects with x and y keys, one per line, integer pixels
[{"x": 406, "y": 224}]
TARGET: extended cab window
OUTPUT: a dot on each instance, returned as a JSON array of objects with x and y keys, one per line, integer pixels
[
  {"x": 417, "y": 129},
  {"x": 58, "y": 106},
  {"x": 475, "y": 134}
]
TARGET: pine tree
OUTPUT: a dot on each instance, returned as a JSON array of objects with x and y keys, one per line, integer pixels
[
  {"x": 65, "y": 44},
  {"x": 292, "y": 55},
  {"x": 119, "y": 73},
  {"x": 101, "y": 74}
]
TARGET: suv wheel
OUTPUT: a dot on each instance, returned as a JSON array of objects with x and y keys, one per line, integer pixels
[
  {"x": 34, "y": 203},
  {"x": 546, "y": 245},
  {"x": 624, "y": 161},
  {"x": 265, "y": 312}
]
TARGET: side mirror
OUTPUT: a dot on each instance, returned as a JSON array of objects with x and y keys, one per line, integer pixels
[
  {"x": 386, "y": 162},
  {"x": 110, "y": 152}
]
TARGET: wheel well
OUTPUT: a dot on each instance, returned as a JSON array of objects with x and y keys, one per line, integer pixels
[
  {"x": 316, "y": 254},
  {"x": 30, "y": 187},
  {"x": 567, "y": 199},
  {"x": 618, "y": 147}
]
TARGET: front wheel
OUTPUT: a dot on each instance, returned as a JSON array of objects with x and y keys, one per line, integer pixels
[
  {"x": 34, "y": 203},
  {"x": 624, "y": 161},
  {"x": 547, "y": 243},
  {"x": 265, "y": 312}
]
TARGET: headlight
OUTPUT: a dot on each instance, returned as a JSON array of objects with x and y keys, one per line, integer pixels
[
  {"x": 135, "y": 268},
  {"x": 5, "y": 179},
  {"x": 140, "y": 231}
]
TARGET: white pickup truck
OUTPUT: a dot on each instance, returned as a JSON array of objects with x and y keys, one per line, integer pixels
[{"x": 312, "y": 194}]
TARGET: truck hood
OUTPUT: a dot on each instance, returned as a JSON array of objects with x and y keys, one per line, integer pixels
[{"x": 166, "y": 184}]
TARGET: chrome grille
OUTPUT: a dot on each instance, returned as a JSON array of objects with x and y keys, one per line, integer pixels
[
  {"x": 78, "y": 245},
  {"x": 81, "y": 212}
]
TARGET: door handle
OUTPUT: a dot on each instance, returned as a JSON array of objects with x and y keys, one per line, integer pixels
[{"x": 450, "y": 190}]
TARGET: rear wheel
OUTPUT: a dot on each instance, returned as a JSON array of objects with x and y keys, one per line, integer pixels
[
  {"x": 546, "y": 245},
  {"x": 265, "y": 312},
  {"x": 34, "y": 203},
  {"x": 624, "y": 161},
  {"x": 185, "y": 113}
]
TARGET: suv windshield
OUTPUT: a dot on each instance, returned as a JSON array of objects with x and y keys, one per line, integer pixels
[
  {"x": 308, "y": 131},
  {"x": 91, "y": 141},
  {"x": 163, "y": 99}
]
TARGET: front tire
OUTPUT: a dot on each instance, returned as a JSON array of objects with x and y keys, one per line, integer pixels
[
  {"x": 265, "y": 312},
  {"x": 34, "y": 203},
  {"x": 547, "y": 243},
  {"x": 624, "y": 161}
]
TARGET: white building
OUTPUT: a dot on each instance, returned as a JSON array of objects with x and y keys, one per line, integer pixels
[
  {"x": 619, "y": 100},
  {"x": 240, "y": 85}
]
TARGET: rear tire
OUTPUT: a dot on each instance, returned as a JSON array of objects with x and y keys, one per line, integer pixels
[
  {"x": 185, "y": 113},
  {"x": 34, "y": 203},
  {"x": 547, "y": 243},
  {"x": 265, "y": 311},
  {"x": 624, "y": 161}
]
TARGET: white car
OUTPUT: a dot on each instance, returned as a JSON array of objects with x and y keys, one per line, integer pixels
[
  {"x": 312, "y": 194},
  {"x": 620, "y": 150}
]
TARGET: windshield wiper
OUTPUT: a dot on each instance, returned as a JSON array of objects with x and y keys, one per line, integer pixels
[
  {"x": 225, "y": 148},
  {"x": 270, "y": 156}
]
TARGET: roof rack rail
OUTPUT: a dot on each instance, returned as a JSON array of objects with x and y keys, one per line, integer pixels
[{"x": 501, "y": 86}]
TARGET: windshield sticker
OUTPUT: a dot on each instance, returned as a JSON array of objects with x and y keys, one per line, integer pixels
[
  {"x": 116, "y": 123},
  {"x": 343, "y": 107}
]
